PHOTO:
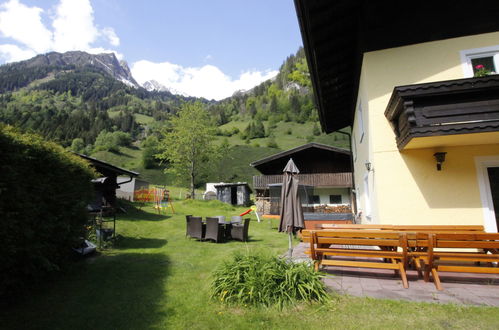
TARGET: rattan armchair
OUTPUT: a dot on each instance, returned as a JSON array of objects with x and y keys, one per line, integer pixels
[
  {"x": 195, "y": 228},
  {"x": 240, "y": 231},
  {"x": 187, "y": 218},
  {"x": 214, "y": 231},
  {"x": 236, "y": 219}
]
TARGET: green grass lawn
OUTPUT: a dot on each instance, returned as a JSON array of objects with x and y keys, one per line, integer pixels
[{"x": 155, "y": 278}]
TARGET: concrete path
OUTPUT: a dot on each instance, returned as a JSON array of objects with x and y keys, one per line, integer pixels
[{"x": 459, "y": 288}]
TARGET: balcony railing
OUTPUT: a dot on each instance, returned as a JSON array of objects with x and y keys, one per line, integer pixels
[
  {"x": 452, "y": 107},
  {"x": 341, "y": 180}
]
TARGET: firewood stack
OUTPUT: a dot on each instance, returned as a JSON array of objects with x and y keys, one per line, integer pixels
[{"x": 333, "y": 209}]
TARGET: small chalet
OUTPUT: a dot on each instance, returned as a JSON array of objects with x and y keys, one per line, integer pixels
[{"x": 325, "y": 180}]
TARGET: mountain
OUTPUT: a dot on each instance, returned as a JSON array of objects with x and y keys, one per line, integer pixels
[
  {"x": 88, "y": 101},
  {"x": 42, "y": 65},
  {"x": 153, "y": 85}
]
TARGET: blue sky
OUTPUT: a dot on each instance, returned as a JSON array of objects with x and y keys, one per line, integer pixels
[{"x": 195, "y": 47}]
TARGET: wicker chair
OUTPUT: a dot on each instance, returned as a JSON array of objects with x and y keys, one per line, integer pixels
[
  {"x": 187, "y": 218},
  {"x": 196, "y": 228},
  {"x": 236, "y": 219},
  {"x": 240, "y": 231},
  {"x": 214, "y": 231}
]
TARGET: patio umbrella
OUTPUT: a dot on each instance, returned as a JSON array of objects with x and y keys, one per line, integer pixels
[{"x": 291, "y": 211}]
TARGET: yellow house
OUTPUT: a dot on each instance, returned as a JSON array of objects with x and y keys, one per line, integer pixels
[{"x": 424, "y": 129}]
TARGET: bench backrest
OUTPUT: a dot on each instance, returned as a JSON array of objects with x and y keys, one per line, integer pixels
[
  {"x": 414, "y": 228},
  {"x": 353, "y": 226},
  {"x": 356, "y": 237},
  {"x": 466, "y": 240}
]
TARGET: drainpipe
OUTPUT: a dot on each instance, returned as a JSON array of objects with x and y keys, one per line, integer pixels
[{"x": 354, "y": 201}]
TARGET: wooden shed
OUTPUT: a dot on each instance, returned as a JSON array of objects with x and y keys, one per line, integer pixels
[
  {"x": 234, "y": 193},
  {"x": 106, "y": 185}
]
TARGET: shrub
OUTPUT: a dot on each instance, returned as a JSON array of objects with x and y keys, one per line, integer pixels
[
  {"x": 266, "y": 280},
  {"x": 44, "y": 191},
  {"x": 271, "y": 143},
  {"x": 112, "y": 141}
]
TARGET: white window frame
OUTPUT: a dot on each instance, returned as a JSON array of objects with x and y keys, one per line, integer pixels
[
  {"x": 469, "y": 54},
  {"x": 489, "y": 217}
]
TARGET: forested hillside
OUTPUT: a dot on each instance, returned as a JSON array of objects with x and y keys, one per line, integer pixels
[{"x": 96, "y": 110}]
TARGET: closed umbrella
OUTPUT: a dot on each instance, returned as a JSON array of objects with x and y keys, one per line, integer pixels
[{"x": 291, "y": 211}]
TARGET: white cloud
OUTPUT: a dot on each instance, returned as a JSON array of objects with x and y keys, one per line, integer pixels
[
  {"x": 111, "y": 36},
  {"x": 24, "y": 24},
  {"x": 207, "y": 81},
  {"x": 12, "y": 53},
  {"x": 74, "y": 25},
  {"x": 72, "y": 28}
]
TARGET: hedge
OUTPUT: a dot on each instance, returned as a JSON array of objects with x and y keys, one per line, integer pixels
[{"x": 44, "y": 191}]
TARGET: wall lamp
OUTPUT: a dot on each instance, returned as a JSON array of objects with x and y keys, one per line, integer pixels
[
  {"x": 368, "y": 166},
  {"x": 440, "y": 158}
]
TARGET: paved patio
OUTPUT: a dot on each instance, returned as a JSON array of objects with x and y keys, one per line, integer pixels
[{"x": 459, "y": 288}]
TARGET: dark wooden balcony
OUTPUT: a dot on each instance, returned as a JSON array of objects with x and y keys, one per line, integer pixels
[
  {"x": 445, "y": 113},
  {"x": 340, "y": 180}
]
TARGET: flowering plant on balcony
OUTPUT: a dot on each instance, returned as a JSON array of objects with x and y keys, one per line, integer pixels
[{"x": 481, "y": 71}]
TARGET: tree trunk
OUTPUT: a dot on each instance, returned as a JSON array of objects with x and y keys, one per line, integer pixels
[{"x": 192, "y": 181}]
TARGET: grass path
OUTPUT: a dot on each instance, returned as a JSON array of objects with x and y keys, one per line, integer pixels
[{"x": 155, "y": 278}]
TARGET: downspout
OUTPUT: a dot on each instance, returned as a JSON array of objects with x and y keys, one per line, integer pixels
[{"x": 354, "y": 201}]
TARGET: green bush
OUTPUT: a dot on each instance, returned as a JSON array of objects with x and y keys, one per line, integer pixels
[
  {"x": 112, "y": 141},
  {"x": 44, "y": 191},
  {"x": 254, "y": 280}
]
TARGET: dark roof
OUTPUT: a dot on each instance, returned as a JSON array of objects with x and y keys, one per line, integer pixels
[
  {"x": 310, "y": 158},
  {"x": 105, "y": 168},
  {"x": 298, "y": 149},
  {"x": 337, "y": 33}
]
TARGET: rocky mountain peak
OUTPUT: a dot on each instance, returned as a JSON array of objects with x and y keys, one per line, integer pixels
[{"x": 105, "y": 62}]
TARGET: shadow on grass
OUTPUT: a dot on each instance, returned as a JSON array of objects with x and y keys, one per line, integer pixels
[
  {"x": 141, "y": 215},
  {"x": 139, "y": 243},
  {"x": 125, "y": 291}
]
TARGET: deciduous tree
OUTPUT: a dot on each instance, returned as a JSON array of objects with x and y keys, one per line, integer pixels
[{"x": 187, "y": 142}]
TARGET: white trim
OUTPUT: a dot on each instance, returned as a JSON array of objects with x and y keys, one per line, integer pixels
[
  {"x": 489, "y": 217},
  {"x": 468, "y": 54}
]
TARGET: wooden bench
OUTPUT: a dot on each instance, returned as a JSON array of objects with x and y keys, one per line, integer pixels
[
  {"x": 480, "y": 261},
  {"x": 338, "y": 243},
  {"x": 413, "y": 228}
]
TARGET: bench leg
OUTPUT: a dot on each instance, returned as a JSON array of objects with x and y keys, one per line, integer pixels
[
  {"x": 427, "y": 273},
  {"x": 436, "y": 279},
  {"x": 316, "y": 265},
  {"x": 397, "y": 272},
  {"x": 417, "y": 265},
  {"x": 403, "y": 275}
]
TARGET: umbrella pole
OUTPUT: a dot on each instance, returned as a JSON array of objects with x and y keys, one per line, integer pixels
[{"x": 290, "y": 250}]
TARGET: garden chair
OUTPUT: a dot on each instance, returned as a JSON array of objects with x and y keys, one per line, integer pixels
[
  {"x": 214, "y": 230},
  {"x": 236, "y": 219},
  {"x": 196, "y": 228},
  {"x": 240, "y": 231},
  {"x": 187, "y": 218}
]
